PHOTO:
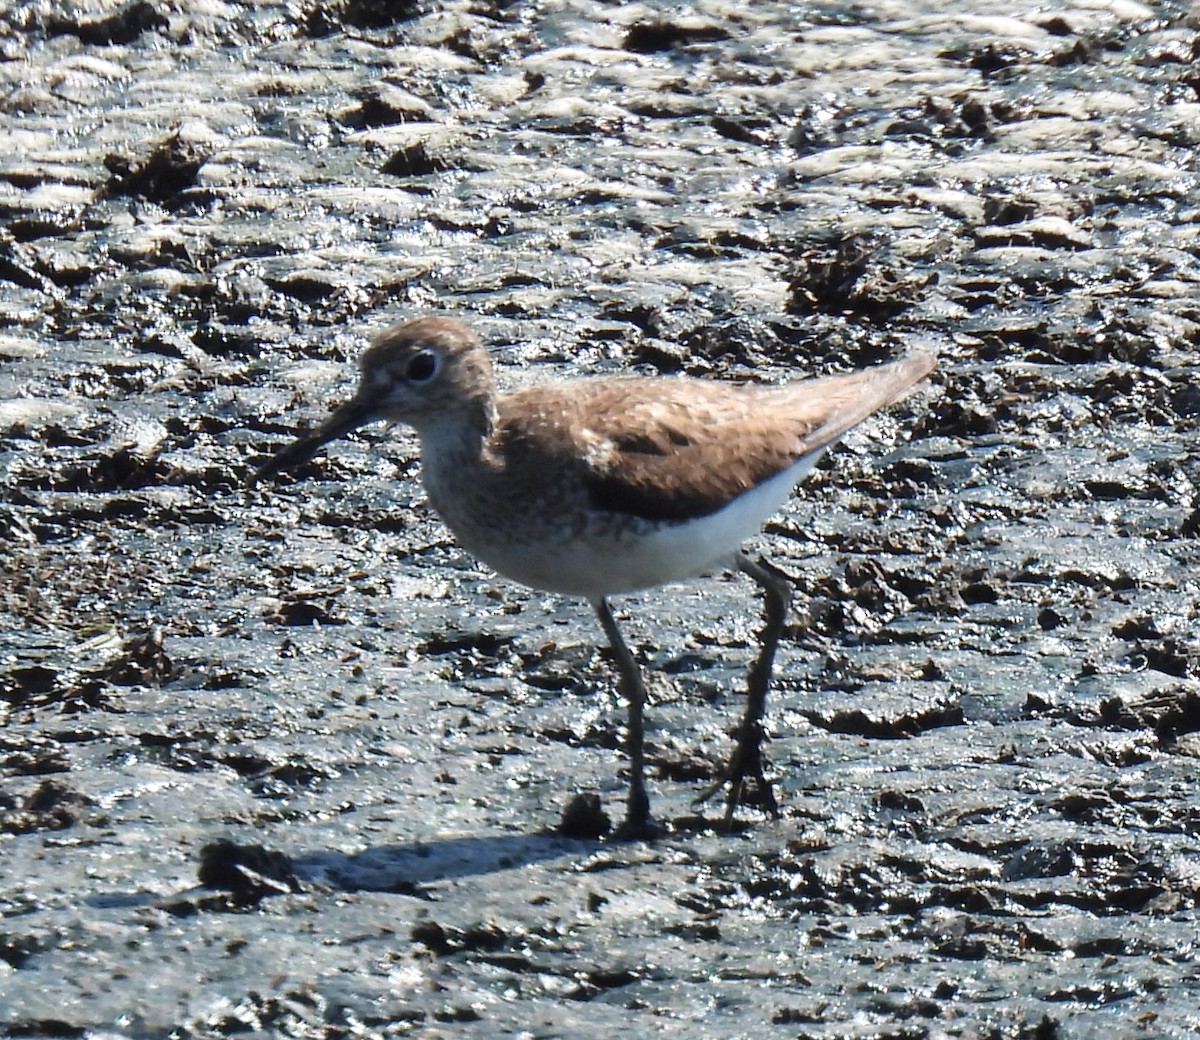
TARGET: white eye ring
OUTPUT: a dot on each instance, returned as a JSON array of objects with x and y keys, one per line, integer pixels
[{"x": 422, "y": 367}]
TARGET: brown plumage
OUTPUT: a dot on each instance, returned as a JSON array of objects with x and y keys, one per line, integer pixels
[
  {"x": 669, "y": 449},
  {"x": 595, "y": 486}
]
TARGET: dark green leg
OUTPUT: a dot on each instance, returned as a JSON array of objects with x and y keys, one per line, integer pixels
[
  {"x": 747, "y": 756},
  {"x": 638, "y": 823}
]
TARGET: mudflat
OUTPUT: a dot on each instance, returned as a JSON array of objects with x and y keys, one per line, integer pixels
[{"x": 286, "y": 761}]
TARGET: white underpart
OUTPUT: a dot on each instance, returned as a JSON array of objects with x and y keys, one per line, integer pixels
[{"x": 605, "y": 562}]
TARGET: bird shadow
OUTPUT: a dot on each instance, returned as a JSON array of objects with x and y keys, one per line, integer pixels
[{"x": 404, "y": 868}]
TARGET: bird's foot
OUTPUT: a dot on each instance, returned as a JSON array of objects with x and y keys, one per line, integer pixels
[
  {"x": 745, "y": 764},
  {"x": 638, "y": 824},
  {"x": 637, "y": 830}
]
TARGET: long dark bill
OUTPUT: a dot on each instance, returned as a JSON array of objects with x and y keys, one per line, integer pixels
[{"x": 356, "y": 412}]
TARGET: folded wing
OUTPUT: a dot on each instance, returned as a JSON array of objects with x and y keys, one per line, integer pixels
[{"x": 673, "y": 450}]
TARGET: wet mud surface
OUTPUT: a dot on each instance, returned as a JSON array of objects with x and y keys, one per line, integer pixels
[{"x": 283, "y": 761}]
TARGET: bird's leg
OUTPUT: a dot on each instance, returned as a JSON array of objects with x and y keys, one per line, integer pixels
[
  {"x": 637, "y": 815},
  {"x": 747, "y": 756}
]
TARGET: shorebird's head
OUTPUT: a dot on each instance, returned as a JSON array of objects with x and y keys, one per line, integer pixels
[{"x": 429, "y": 373}]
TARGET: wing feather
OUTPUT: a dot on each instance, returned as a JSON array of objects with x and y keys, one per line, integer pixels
[{"x": 674, "y": 449}]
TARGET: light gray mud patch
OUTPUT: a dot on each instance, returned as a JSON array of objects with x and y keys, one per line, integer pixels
[{"x": 985, "y": 722}]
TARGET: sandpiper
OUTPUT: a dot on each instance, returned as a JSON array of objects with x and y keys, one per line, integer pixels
[{"x": 596, "y": 486}]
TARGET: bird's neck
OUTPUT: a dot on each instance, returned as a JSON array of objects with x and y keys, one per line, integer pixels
[
  {"x": 458, "y": 442},
  {"x": 457, "y": 469}
]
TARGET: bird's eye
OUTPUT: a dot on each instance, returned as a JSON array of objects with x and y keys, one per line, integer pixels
[{"x": 421, "y": 367}]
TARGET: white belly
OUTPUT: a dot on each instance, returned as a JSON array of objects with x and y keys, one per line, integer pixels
[{"x": 608, "y": 558}]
